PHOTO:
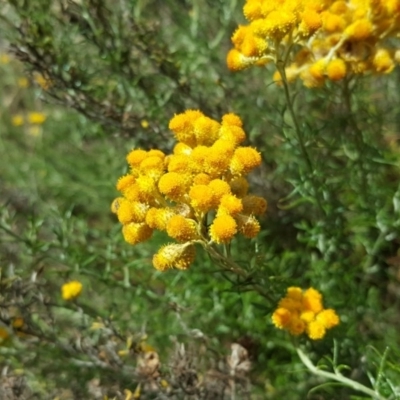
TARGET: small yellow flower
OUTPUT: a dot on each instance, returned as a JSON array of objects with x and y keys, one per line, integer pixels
[
  {"x": 152, "y": 165},
  {"x": 219, "y": 188},
  {"x": 359, "y": 30},
  {"x": 223, "y": 229},
  {"x": 232, "y": 134},
  {"x": 206, "y": 130},
  {"x": 135, "y": 157},
  {"x": 144, "y": 123},
  {"x": 254, "y": 205},
  {"x": 135, "y": 233},
  {"x": 202, "y": 179},
  {"x": 237, "y": 61},
  {"x": 17, "y": 120},
  {"x": 71, "y": 290},
  {"x": 36, "y": 118},
  {"x": 182, "y": 229},
  {"x": 248, "y": 226},
  {"x": 336, "y": 70},
  {"x": 157, "y": 218},
  {"x": 191, "y": 192},
  {"x": 315, "y": 330},
  {"x": 43, "y": 81},
  {"x": 202, "y": 198},
  {"x": 131, "y": 211},
  {"x": 244, "y": 160},
  {"x": 125, "y": 182},
  {"x": 182, "y": 126},
  {"x": 312, "y": 300},
  {"x": 300, "y": 312},
  {"x": 4, "y": 58},
  {"x": 383, "y": 61},
  {"x": 281, "y": 317},
  {"x": 23, "y": 82},
  {"x": 178, "y": 256},
  {"x": 230, "y": 204},
  {"x": 296, "y": 326},
  {"x": 232, "y": 120},
  {"x": 173, "y": 185},
  {"x": 328, "y": 318}
]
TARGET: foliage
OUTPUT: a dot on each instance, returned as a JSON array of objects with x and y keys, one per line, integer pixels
[{"x": 85, "y": 82}]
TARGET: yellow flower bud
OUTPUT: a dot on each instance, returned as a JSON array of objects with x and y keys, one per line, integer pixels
[
  {"x": 230, "y": 205},
  {"x": 237, "y": 61},
  {"x": 336, "y": 70},
  {"x": 182, "y": 126},
  {"x": 232, "y": 134},
  {"x": 252, "y": 10},
  {"x": 157, "y": 218},
  {"x": 296, "y": 326},
  {"x": 249, "y": 227},
  {"x": 152, "y": 166},
  {"x": 135, "y": 233},
  {"x": 281, "y": 317},
  {"x": 244, "y": 160},
  {"x": 181, "y": 148},
  {"x": 202, "y": 198},
  {"x": 201, "y": 179},
  {"x": 223, "y": 229},
  {"x": 182, "y": 229},
  {"x": 254, "y": 205},
  {"x": 71, "y": 290},
  {"x": 359, "y": 30},
  {"x": 173, "y": 185},
  {"x": 300, "y": 312},
  {"x": 311, "y": 22},
  {"x": 328, "y": 318},
  {"x": 219, "y": 188},
  {"x": 180, "y": 163},
  {"x": 135, "y": 157},
  {"x": 178, "y": 256},
  {"x": 239, "y": 187},
  {"x": 115, "y": 204},
  {"x": 383, "y": 61},
  {"x": 206, "y": 130},
  {"x": 125, "y": 182},
  {"x": 232, "y": 120},
  {"x": 312, "y": 300},
  {"x": 315, "y": 330}
]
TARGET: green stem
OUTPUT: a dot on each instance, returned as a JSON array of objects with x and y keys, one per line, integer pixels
[
  {"x": 358, "y": 136},
  {"x": 229, "y": 265},
  {"x": 338, "y": 377},
  {"x": 280, "y": 65}
]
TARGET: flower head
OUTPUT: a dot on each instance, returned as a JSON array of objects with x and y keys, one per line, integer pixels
[
  {"x": 197, "y": 194},
  {"x": 71, "y": 290},
  {"x": 345, "y": 30},
  {"x": 302, "y": 311},
  {"x": 178, "y": 256}
]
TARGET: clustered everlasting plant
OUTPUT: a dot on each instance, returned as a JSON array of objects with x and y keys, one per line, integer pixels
[
  {"x": 300, "y": 312},
  {"x": 329, "y": 39},
  {"x": 198, "y": 194}
]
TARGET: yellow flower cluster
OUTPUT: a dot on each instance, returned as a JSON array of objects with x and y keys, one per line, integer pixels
[
  {"x": 71, "y": 290},
  {"x": 333, "y": 38},
  {"x": 198, "y": 194},
  {"x": 300, "y": 312}
]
